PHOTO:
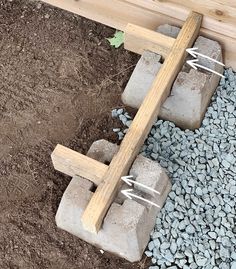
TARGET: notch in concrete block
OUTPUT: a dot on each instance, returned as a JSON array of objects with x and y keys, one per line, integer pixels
[{"x": 127, "y": 226}]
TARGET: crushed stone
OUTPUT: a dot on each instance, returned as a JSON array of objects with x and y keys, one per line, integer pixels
[{"x": 196, "y": 227}]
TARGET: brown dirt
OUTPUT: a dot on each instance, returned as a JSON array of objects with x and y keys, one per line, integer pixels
[{"x": 59, "y": 82}]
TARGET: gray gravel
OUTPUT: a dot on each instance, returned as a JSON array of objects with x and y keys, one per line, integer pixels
[{"x": 196, "y": 227}]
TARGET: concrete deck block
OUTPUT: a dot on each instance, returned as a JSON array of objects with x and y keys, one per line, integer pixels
[
  {"x": 169, "y": 30},
  {"x": 102, "y": 151},
  {"x": 155, "y": 177},
  {"x": 192, "y": 89},
  {"x": 210, "y": 48},
  {"x": 127, "y": 226},
  {"x": 143, "y": 75}
]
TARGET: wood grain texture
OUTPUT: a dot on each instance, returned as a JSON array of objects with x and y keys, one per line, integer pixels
[
  {"x": 150, "y": 14},
  {"x": 177, "y": 9},
  {"x": 114, "y": 13},
  {"x": 73, "y": 163},
  {"x": 138, "y": 39},
  {"x": 141, "y": 125},
  {"x": 222, "y": 11}
]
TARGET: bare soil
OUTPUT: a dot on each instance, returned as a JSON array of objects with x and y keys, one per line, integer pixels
[{"x": 59, "y": 81}]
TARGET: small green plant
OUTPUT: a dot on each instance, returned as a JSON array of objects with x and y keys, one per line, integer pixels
[{"x": 117, "y": 40}]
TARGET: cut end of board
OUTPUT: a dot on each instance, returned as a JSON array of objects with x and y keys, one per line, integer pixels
[{"x": 89, "y": 223}]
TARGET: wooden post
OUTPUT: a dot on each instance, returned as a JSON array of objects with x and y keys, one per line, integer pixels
[{"x": 141, "y": 125}]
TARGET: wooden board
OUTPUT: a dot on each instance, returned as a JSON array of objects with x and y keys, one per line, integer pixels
[
  {"x": 220, "y": 10},
  {"x": 179, "y": 9},
  {"x": 138, "y": 39},
  {"x": 114, "y": 13},
  {"x": 150, "y": 14},
  {"x": 73, "y": 163},
  {"x": 141, "y": 125}
]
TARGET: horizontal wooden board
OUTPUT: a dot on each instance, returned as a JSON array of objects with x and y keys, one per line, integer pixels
[
  {"x": 222, "y": 11},
  {"x": 145, "y": 13},
  {"x": 180, "y": 11},
  {"x": 139, "y": 39},
  {"x": 73, "y": 163}
]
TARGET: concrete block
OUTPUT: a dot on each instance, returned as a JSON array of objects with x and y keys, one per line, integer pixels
[
  {"x": 102, "y": 151},
  {"x": 190, "y": 96},
  {"x": 192, "y": 89},
  {"x": 210, "y": 48},
  {"x": 155, "y": 177},
  {"x": 142, "y": 77},
  {"x": 127, "y": 226},
  {"x": 169, "y": 30}
]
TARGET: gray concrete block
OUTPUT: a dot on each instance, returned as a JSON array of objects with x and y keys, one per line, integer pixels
[
  {"x": 143, "y": 74},
  {"x": 169, "y": 30},
  {"x": 210, "y": 48},
  {"x": 190, "y": 96},
  {"x": 127, "y": 226},
  {"x": 102, "y": 151},
  {"x": 155, "y": 177},
  {"x": 191, "y": 91}
]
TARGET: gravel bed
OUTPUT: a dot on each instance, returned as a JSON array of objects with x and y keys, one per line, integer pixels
[{"x": 196, "y": 227}]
